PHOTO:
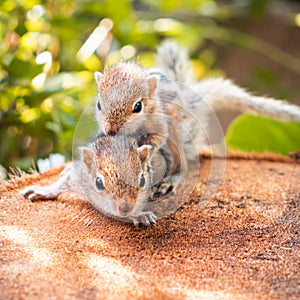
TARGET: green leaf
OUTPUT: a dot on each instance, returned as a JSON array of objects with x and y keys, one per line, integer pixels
[
  {"x": 255, "y": 133},
  {"x": 22, "y": 69}
]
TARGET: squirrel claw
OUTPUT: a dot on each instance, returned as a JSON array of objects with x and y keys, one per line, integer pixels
[
  {"x": 162, "y": 189},
  {"x": 36, "y": 193},
  {"x": 145, "y": 218}
]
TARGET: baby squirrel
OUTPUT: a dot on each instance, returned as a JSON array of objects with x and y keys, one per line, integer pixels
[
  {"x": 154, "y": 104},
  {"x": 114, "y": 174}
]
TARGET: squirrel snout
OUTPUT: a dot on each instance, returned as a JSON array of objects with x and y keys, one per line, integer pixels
[
  {"x": 125, "y": 209},
  {"x": 110, "y": 129}
]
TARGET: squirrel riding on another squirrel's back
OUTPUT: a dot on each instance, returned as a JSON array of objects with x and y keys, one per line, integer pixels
[
  {"x": 154, "y": 104},
  {"x": 130, "y": 101}
]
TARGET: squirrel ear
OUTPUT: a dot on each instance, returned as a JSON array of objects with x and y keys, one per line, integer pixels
[
  {"x": 88, "y": 158},
  {"x": 144, "y": 152},
  {"x": 152, "y": 84},
  {"x": 98, "y": 77}
]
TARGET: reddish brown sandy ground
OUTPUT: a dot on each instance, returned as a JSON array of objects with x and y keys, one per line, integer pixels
[{"x": 242, "y": 244}]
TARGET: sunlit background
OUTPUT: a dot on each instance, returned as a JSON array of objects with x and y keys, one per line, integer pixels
[{"x": 50, "y": 49}]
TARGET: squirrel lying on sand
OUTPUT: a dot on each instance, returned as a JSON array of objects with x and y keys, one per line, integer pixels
[{"x": 114, "y": 174}]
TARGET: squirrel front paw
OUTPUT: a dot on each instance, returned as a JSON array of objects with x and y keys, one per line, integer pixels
[
  {"x": 145, "y": 218},
  {"x": 37, "y": 193},
  {"x": 165, "y": 186}
]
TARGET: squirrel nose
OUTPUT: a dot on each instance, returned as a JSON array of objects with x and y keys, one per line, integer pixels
[
  {"x": 109, "y": 129},
  {"x": 125, "y": 208},
  {"x": 110, "y": 132}
]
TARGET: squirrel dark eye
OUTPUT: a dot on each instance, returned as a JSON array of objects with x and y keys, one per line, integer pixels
[
  {"x": 137, "y": 107},
  {"x": 98, "y": 105},
  {"x": 99, "y": 184},
  {"x": 142, "y": 181}
]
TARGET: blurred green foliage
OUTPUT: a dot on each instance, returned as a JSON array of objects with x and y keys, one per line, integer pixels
[
  {"x": 47, "y": 64},
  {"x": 261, "y": 134}
]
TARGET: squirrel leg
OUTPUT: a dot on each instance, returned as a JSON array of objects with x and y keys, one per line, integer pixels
[
  {"x": 39, "y": 193},
  {"x": 166, "y": 185},
  {"x": 50, "y": 192}
]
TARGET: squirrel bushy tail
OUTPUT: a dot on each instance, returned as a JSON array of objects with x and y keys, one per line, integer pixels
[
  {"x": 174, "y": 61},
  {"x": 214, "y": 95},
  {"x": 218, "y": 93},
  {"x": 222, "y": 94}
]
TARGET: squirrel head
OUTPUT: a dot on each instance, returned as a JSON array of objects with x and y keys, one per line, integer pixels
[
  {"x": 126, "y": 98},
  {"x": 120, "y": 173}
]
